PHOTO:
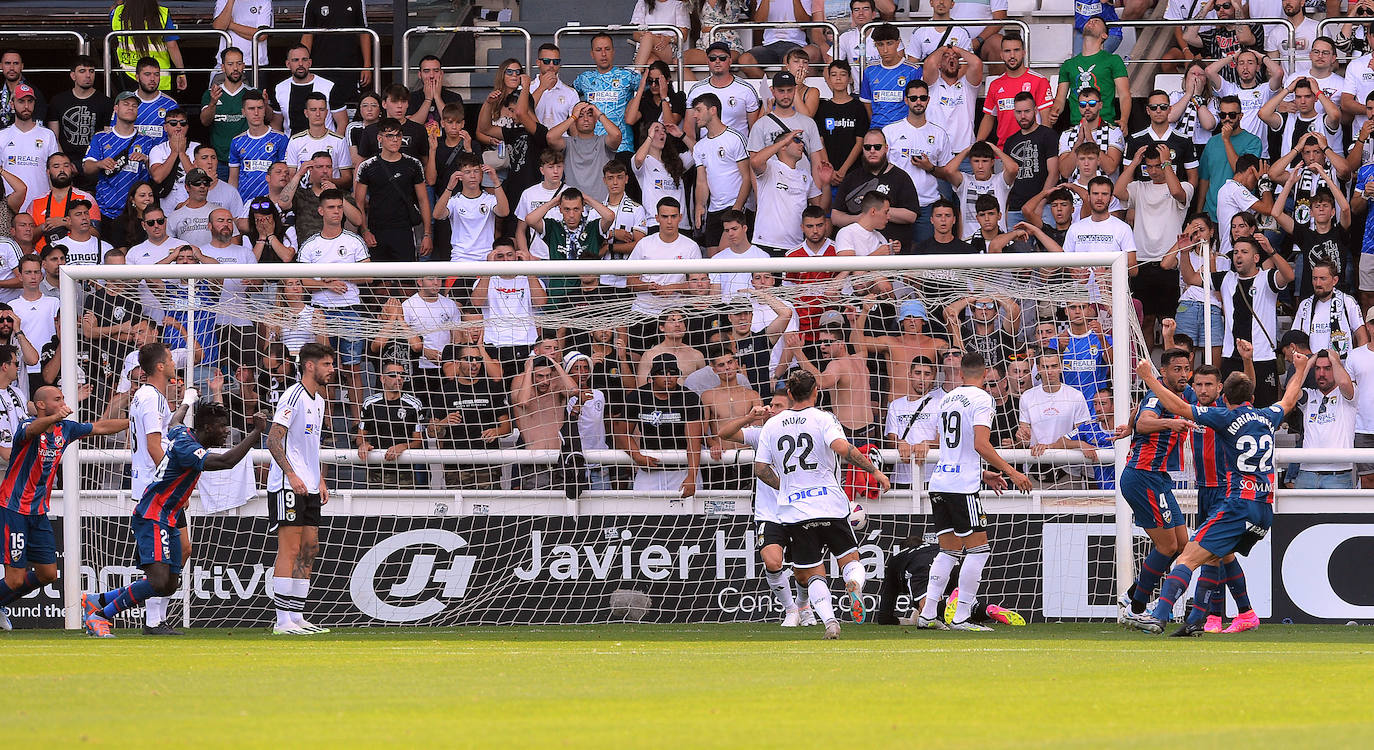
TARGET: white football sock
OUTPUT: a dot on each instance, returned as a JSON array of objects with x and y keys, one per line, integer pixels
[
  {"x": 154, "y": 610},
  {"x": 939, "y": 578},
  {"x": 782, "y": 590},
  {"x": 854, "y": 572},
  {"x": 282, "y": 595},
  {"x": 803, "y": 595},
  {"x": 820, "y": 598},
  {"x": 301, "y": 591},
  {"x": 970, "y": 576}
]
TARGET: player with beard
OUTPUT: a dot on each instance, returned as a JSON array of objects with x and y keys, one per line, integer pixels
[{"x": 875, "y": 172}]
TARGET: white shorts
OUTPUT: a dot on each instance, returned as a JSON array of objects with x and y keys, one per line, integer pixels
[
  {"x": 1366, "y": 272},
  {"x": 659, "y": 480}
]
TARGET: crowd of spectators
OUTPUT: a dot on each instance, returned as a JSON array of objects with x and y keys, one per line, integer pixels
[{"x": 1245, "y": 182}]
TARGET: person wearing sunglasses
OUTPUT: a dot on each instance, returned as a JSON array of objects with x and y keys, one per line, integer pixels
[
  {"x": 1097, "y": 68},
  {"x": 1179, "y": 148},
  {"x": 1091, "y": 127},
  {"x": 920, "y": 147},
  {"x": 553, "y": 99},
  {"x": 609, "y": 89},
  {"x": 875, "y": 172},
  {"x": 740, "y": 102}
]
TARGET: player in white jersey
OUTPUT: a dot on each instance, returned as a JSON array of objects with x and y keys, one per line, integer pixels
[
  {"x": 296, "y": 489},
  {"x": 769, "y": 536},
  {"x": 798, "y": 455},
  {"x": 964, "y": 436},
  {"x": 148, "y": 418}
]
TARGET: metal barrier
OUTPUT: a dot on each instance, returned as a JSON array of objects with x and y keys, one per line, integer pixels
[
  {"x": 1292, "y": 33},
  {"x": 475, "y": 31},
  {"x": 376, "y": 50},
  {"x": 1356, "y": 20},
  {"x": 111, "y": 69},
  {"x": 867, "y": 31},
  {"x": 83, "y": 45},
  {"x": 748, "y": 25},
  {"x": 626, "y": 30}
]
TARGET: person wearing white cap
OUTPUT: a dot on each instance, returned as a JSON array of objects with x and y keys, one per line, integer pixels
[
  {"x": 587, "y": 405},
  {"x": 901, "y": 349}
]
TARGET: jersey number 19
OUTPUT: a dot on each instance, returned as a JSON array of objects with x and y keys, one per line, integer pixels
[{"x": 953, "y": 429}]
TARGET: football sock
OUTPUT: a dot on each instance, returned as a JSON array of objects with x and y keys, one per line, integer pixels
[
  {"x": 301, "y": 590},
  {"x": 127, "y": 598},
  {"x": 855, "y": 572},
  {"x": 782, "y": 590},
  {"x": 154, "y": 610},
  {"x": 970, "y": 577},
  {"x": 1216, "y": 603},
  {"x": 8, "y": 594},
  {"x": 1204, "y": 594},
  {"x": 283, "y": 596},
  {"x": 940, "y": 569},
  {"x": 820, "y": 598},
  {"x": 1174, "y": 586},
  {"x": 1235, "y": 580},
  {"x": 803, "y": 594},
  {"x": 1155, "y": 565}
]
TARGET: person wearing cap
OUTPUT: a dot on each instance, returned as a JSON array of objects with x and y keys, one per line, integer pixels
[
  {"x": 468, "y": 410},
  {"x": 118, "y": 157},
  {"x": 740, "y": 105},
  {"x": 587, "y": 405},
  {"x": 786, "y": 188},
  {"x": 26, "y": 145},
  {"x": 661, "y": 416},
  {"x": 784, "y": 117},
  {"x": 900, "y": 351},
  {"x": 12, "y": 67},
  {"x": 190, "y": 221},
  {"x": 83, "y": 247}
]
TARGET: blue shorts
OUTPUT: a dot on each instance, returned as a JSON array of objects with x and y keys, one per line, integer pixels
[
  {"x": 1151, "y": 497},
  {"x": 28, "y": 540},
  {"x": 1208, "y": 500},
  {"x": 1189, "y": 319},
  {"x": 1235, "y": 526},
  {"x": 346, "y": 318},
  {"x": 157, "y": 543}
]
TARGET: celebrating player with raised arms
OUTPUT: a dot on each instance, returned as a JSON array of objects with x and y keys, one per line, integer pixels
[
  {"x": 1244, "y": 517},
  {"x": 28, "y": 541},
  {"x": 798, "y": 454},
  {"x": 1156, "y": 450},
  {"x": 296, "y": 489},
  {"x": 148, "y": 419},
  {"x": 161, "y": 508},
  {"x": 965, "y": 437}
]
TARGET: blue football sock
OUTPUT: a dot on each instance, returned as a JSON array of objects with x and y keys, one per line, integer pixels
[
  {"x": 1204, "y": 594},
  {"x": 1216, "y": 602},
  {"x": 1235, "y": 580},
  {"x": 127, "y": 598},
  {"x": 1155, "y": 565},
  {"x": 29, "y": 585},
  {"x": 1174, "y": 586}
]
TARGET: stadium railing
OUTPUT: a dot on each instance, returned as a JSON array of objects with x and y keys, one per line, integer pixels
[
  {"x": 83, "y": 45},
  {"x": 1327, "y": 23},
  {"x": 1184, "y": 22},
  {"x": 262, "y": 34},
  {"x": 475, "y": 31},
  {"x": 625, "y": 30},
  {"x": 867, "y": 31},
  {"x": 765, "y": 25},
  {"x": 111, "y": 67}
]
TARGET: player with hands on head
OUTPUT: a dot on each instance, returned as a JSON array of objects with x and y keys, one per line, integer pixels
[{"x": 160, "y": 509}]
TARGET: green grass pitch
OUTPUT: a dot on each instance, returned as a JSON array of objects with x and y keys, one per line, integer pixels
[{"x": 704, "y": 686}]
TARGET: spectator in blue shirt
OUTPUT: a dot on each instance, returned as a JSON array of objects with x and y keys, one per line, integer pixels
[
  {"x": 883, "y": 86},
  {"x": 1083, "y": 10},
  {"x": 609, "y": 88}
]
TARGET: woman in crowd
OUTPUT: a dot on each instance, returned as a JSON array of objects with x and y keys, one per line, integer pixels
[
  {"x": 659, "y": 45},
  {"x": 127, "y": 230},
  {"x": 660, "y": 165},
  {"x": 655, "y": 101},
  {"x": 146, "y": 15},
  {"x": 369, "y": 113},
  {"x": 511, "y": 72}
]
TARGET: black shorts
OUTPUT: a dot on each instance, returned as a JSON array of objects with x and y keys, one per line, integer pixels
[
  {"x": 1157, "y": 290},
  {"x": 957, "y": 512},
  {"x": 770, "y": 532},
  {"x": 286, "y": 508},
  {"x": 808, "y": 541}
]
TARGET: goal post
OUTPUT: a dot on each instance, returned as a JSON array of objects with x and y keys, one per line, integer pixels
[{"x": 1108, "y": 283}]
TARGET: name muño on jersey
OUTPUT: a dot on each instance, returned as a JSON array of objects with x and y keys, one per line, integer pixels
[
  {"x": 960, "y": 469},
  {"x": 796, "y": 443}
]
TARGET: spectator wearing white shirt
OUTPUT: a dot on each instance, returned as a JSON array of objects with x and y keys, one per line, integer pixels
[
  {"x": 1158, "y": 206},
  {"x": 1238, "y": 194},
  {"x": 785, "y": 190},
  {"x": 26, "y": 145},
  {"x": 737, "y": 101},
  {"x": 553, "y": 99},
  {"x": 1051, "y": 414},
  {"x": 317, "y": 137},
  {"x": 534, "y": 196},
  {"x": 658, "y": 292},
  {"x": 1328, "y": 423},
  {"x": 242, "y": 19},
  {"x": 657, "y": 44},
  {"x": 847, "y": 48},
  {"x": 955, "y": 76},
  {"x": 919, "y": 147},
  {"x": 910, "y": 416},
  {"x": 1330, "y": 317},
  {"x": 723, "y": 179},
  {"x": 508, "y": 304},
  {"x": 432, "y": 316},
  {"x": 986, "y": 40},
  {"x": 631, "y": 222},
  {"x": 735, "y": 244},
  {"x": 1249, "y": 303},
  {"x": 1092, "y": 128},
  {"x": 922, "y": 41},
  {"x": 982, "y": 157},
  {"x": 1360, "y": 366},
  {"x": 1304, "y": 32}
]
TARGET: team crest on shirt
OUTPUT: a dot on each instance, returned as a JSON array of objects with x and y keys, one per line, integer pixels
[
  {"x": 270, "y": 147},
  {"x": 730, "y": 102},
  {"x": 324, "y": 10},
  {"x": 161, "y": 113},
  {"x": 400, "y": 413},
  {"x": 342, "y": 250},
  {"x": 38, "y": 142},
  {"x": 930, "y": 139},
  {"x": 117, "y": 314},
  {"x": 721, "y": 152},
  {"x": 482, "y": 208},
  {"x": 615, "y": 83}
]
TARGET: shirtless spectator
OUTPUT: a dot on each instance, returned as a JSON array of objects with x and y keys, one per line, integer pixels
[
  {"x": 539, "y": 398},
  {"x": 901, "y": 349},
  {"x": 672, "y": 327},
  {"x": 845, "y": 379},
  {"x": 728, "y": 401}
]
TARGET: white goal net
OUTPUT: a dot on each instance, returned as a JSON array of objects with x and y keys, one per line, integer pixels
[{"x": 509, "y": 442}]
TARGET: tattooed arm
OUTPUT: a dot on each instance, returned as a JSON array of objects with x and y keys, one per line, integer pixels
[{"x": 764, "y": 472}]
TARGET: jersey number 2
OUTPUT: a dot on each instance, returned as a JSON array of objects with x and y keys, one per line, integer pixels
[{"x": 799, "y": 446}]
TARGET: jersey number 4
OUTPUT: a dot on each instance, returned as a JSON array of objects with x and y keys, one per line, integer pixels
[
  {"x": 1256, "y": 454},
  {"x": 798, "y": 447}
]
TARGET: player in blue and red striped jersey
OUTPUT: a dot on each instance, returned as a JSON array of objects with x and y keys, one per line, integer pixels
[
  {"x": 1156, "y": 450},
  {"x": 155, "y": 517},
  {"x": 27, "y": 540},
  {"x": 1213, "y": 474},
  {"x": 1246, "y": 435}
]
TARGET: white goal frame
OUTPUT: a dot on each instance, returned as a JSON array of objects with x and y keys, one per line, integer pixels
[{"x": 71, "y": 276}]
